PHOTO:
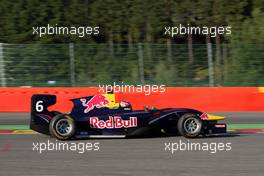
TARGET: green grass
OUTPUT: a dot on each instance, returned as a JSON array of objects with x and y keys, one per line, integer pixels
[
  {"x": 244, "y": 126},
  {"x": 14, "y": 127}
]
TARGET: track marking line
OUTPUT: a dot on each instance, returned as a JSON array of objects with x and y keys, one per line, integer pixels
[
  {"x": 17, "y": 132},
  {"x": 24, "y": 132}
]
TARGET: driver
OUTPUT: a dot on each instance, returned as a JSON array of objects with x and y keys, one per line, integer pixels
[{"x": 126, "y": 105}]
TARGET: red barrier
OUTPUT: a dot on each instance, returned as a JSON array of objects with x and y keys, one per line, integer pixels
[{"x": 204, "y": 99}]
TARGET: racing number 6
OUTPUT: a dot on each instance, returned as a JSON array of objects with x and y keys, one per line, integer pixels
[{"x": 39, "y": 106}]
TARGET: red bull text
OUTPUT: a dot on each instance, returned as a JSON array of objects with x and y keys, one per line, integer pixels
[{"x": 113, "y": 122}]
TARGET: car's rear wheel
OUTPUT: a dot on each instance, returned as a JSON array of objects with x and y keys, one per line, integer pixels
[
  {"x": 62, "y": 127},
  {"x": 189, "y": 125}
]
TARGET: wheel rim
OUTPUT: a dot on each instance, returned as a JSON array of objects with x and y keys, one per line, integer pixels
[
  {"x": 192, "y": 125},
  {"x": 63, "y": 127}
]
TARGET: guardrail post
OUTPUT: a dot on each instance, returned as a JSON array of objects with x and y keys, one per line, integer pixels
[
  {"x": 210, "y": 64},
  {"x": 72, "y": 64},
  {"x": 2, "y": 66},
  {"x": 141, "y": 63}
]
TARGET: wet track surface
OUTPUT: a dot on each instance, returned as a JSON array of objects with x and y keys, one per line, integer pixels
[{"x": 145, "y": 156}]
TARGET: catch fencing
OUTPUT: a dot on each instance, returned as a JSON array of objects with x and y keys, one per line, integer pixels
[{"x": 87, "y": 65}]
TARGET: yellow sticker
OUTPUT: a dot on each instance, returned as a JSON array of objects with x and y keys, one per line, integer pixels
[{"x": 261, "y": 89}]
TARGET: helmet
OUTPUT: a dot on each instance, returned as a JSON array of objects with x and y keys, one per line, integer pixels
[{"x": 125, "y": 104}]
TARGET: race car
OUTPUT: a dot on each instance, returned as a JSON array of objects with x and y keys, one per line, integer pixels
[{"x": 101, "y": 116}]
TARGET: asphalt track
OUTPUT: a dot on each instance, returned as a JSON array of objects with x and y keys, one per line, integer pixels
[{"x": 145, "y": 156}]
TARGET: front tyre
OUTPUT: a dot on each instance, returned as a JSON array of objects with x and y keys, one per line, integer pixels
[
  {"x": 62, "y": 127},
  {"x": 189, "y": 125}
]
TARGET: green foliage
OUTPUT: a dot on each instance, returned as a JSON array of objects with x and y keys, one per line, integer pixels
[
  {"x": 123, "y": 21},
  {"x": 113, "y": 54}
]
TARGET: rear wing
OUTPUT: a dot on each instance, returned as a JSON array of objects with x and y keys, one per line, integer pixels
[
  {"x": 41, "y": 102},
  {"x": 40, "y": 115}
]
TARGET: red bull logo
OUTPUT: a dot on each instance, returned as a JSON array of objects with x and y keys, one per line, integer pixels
[
  {"x": 97, "y": 101},
  {"x": 204, "y": 116},
  {"x": 113, "y": 122}
]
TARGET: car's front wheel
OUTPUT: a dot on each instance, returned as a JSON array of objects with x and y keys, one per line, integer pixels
[
  {"x": 189, "y": 125},
  {"x": 62, "y": 127}
]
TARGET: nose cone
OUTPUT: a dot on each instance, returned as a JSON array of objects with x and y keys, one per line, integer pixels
[{"x": 214, "y": 117}]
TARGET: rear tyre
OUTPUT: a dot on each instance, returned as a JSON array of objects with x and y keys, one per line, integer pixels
[
  {"x": 189, "y": 125},
  {"x": 62, "y": 127}
]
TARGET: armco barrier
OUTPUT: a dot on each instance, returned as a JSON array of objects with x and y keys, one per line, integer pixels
[{"x": 204, "y": 98}]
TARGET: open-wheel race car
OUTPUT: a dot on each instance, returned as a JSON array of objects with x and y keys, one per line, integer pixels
[{"x": 101, "y": 116}]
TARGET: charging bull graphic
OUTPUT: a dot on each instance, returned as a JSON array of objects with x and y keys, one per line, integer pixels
[{"x": 97, "y": 101}]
